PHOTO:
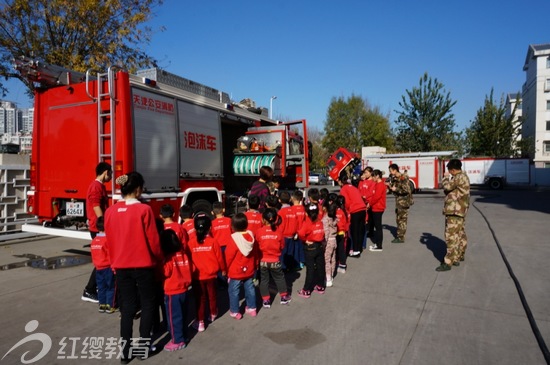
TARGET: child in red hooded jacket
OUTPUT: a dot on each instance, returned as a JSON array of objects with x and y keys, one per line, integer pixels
[
  {"x": 177, "y": 281},
  {"x": 242, "y": 258}
]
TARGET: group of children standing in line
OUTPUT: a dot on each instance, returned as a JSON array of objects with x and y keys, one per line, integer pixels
[{"x": 284, "y": 234}]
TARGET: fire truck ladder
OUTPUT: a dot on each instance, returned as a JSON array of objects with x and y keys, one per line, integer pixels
[
  {"x": 105, "y": 117},
  {"x": 45, "y": 74}
]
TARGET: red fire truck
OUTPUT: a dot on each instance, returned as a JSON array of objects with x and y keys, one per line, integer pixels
[
  {"x": 342, "y": 160},
  {"x": 189, "y": 141}
]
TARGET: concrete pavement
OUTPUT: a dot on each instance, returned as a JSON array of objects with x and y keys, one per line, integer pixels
[{"x": 389, "y": 308}]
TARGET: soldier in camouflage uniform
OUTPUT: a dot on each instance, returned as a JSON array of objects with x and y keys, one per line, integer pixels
[
  {"x": 456, "y": 186},
  {"x": 400, "y": 187}
]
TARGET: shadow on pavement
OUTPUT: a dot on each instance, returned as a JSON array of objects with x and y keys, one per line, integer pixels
[
  {"x": 434, "y": 244},
  {"x": 391, "y": 229}
]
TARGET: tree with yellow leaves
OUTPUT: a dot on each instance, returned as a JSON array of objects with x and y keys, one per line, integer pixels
[{"x": 78, "y": 35}]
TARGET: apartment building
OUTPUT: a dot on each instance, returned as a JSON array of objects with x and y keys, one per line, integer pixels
[
  {"x": 514, "y": 106},
  {"x": 536, "y": 102},
  {"x": 8, "y": 117}
]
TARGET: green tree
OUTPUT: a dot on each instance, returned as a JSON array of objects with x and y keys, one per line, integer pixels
[
  {"x": 375, "y": 129},
  {"x": 352, "y": 123},
  {"x": 77, "y": 35},
  {"x": 425, "y": 122},
  {"x": 320, "y": 154},
  {"x": 492, "y": 133}
]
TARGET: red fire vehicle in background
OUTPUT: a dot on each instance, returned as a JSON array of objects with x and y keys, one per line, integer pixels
[
  {"x": 190, "y": 143},
  {"x": 342, "y": 160}
]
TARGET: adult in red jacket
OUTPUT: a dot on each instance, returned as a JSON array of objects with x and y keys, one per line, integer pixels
[
  {"x": 378, "y": 205},
  {"x": 366, "y": 187},
  {"x": 135, "y": 252},
  {"x": 357, "y": 209}
]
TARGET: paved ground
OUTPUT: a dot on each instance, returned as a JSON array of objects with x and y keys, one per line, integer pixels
[{"x": 390, "y": 308}]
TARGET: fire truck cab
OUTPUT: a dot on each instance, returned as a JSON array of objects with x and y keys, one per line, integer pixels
[
  {"x": 342, "y": 160},
  {"x": 183, "y": 137}
]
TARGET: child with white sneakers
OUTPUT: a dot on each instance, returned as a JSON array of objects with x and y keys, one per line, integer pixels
[
  {"x": 331, "y": 229},
  {"x": 242, "y": 258},
  {"x": 312, "y": 235}
]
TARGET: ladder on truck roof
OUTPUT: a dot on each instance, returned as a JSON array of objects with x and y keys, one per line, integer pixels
[
  {"x": 105, "y": 118},
  {"x": 44, "y": 74}
]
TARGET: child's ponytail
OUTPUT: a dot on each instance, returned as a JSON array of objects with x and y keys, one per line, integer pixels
[
  {"x": 202, "y": 226},
  {"x": 312, "y": 211},
  {"x": 270, "y": 216}
]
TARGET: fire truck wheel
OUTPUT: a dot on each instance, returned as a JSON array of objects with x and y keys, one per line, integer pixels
[
  {"x": 202, "y": 205},
  {"x": 413, "y": 190}
]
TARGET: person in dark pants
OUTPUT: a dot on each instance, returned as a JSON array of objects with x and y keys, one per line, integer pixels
[
  {"x": 135, "y": 253},
  {"x": 312, "y": 233},
  {"x": 96, "y": 204},
  {"x": 378, "y": 205},
  {"x": 357, "y": 210},
  {"x": 271, "y": 242},
  {"x": 342, "y": 234}
]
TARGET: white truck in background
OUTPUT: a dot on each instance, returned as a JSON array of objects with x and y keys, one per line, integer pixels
[
  {"x": 497, "y": 172},
  {"x": 426, "y": 169}
]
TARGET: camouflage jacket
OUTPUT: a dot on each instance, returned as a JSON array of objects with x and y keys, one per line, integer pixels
[
  {"x": 402, "y": 192},
  {"x": 457, "y": 194}
]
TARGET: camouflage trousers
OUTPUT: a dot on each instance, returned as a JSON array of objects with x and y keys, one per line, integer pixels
[
  {"x": 455, "y": 238},
  {"x": 401, "y": 217}
]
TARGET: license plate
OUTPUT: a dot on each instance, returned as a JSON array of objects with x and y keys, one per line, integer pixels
[{"x": 75, "y": 209}]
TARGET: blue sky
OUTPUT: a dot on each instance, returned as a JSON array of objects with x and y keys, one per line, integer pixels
[{"x": 307, "y": 52}]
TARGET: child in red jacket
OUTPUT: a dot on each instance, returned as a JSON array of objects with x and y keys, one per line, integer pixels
[
  {"x": 241, "y": 256},
  {"x": 167, "y": 216},
  {"x": 208, "y": 260},
  {"x": 271, "y": 242},
  {"x": 342, "y": 234},
  {"x": 221, "y": 225},
  {"x": 378, "y": 207},
  {"x": 300, "y": 213},
  {"x": 177, "y": 280},
  {"x": 312, "y": 234},
  {"x": 105, "y": 278},
  {"x": 186, "y": 220},
  {"x": 253, "y": 216},
  {"x": 288, "y": 228}
]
